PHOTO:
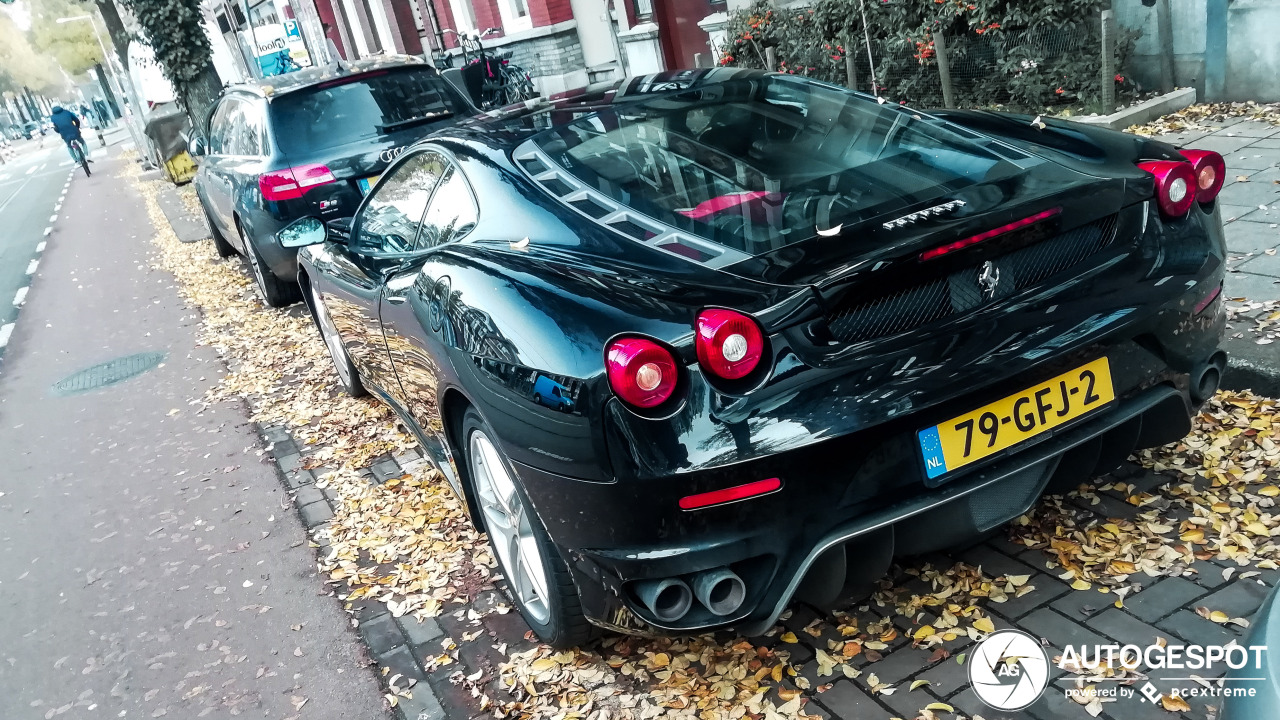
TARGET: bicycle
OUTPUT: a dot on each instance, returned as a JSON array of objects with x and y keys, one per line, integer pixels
[
  {"x": 492, "y": 79},
  {"x": 80, "y": 154}
]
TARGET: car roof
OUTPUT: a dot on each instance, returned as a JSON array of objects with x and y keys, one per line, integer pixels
[{"x": 277, "y": 85}]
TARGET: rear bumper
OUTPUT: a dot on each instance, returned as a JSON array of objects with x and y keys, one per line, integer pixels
[{"x": 773, "y": 542}]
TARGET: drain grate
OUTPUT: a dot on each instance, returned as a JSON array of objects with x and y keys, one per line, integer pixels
[{"x": 107, "y": 373}]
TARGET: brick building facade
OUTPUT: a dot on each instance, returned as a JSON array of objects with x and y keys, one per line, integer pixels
[{"x": 564, "y": 45}]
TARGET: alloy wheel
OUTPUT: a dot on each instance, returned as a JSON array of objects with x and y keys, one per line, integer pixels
[
  {"x": 255, "y": 266},
  {"x": 332, "y": 340},
  {"x": 508, "y": 523}
]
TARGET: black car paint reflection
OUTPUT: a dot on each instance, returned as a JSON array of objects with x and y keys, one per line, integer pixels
[{"x": 512, "y": 318}]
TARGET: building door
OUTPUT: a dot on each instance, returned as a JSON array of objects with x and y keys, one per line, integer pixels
[{"x": 678, "y": 30}]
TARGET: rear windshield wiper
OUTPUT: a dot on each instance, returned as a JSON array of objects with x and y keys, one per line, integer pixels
[{"x": 414, "y": 121}]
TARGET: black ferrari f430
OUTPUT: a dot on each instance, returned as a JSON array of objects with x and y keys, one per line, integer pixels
[{"x": 713, "y": 340}]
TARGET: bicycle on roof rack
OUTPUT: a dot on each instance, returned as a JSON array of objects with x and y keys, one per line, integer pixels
[{"x": 491, "y": 78}]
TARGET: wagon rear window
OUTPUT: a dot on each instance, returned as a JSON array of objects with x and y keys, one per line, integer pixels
[{"x": 761, "y": 163}]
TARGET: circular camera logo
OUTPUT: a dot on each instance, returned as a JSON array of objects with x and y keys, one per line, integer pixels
[{"x": 1008, "y": 670}]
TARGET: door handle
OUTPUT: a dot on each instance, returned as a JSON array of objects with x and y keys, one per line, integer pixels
[{"x": 397, "y": 299}]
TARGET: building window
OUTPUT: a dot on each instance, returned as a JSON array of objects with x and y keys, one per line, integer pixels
[
  {"x": 643, "y": 8},
  {"x": 514, "y": 15},
  {"x": 463, "y": 15}
]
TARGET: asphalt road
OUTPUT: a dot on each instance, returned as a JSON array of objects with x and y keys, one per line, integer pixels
[
  {"x": 151, "y": 564},
  {"x": 30, "y": 188}
]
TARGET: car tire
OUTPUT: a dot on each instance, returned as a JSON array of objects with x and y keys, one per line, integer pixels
[
  {"x": 273, "y": 291},
  {"x": 220, "y": 244},
  {"x": 348, "y": 376},
  {"x": 549, "y": 604}
]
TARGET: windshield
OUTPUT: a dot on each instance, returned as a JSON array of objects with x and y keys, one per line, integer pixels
[
  {"x": 758, "y": 164},
  {"x": 362, "y": 107}
]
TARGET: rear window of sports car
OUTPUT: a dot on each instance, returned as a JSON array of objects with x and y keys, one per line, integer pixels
[{"x": 757, "y": 164}]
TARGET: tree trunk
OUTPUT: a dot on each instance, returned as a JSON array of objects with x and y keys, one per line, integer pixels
[
  {"x": 201, "y": 98},
  {"x": 115, "y": 28},
  {"x": 106, "y": 89}
]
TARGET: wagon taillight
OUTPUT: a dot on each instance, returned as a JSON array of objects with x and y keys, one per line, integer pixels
[
  {"x": 292, "y": 183},
  {"x": 641, "y": 372},
  {"x": 729, "y": 343}
]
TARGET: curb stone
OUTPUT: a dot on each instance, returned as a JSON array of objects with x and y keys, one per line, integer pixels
[{"x": 395, "y": 643}]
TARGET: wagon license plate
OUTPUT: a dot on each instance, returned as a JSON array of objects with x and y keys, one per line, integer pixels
[
  {"x": 1006, "y": 422},
  {"x": 365, "y": 183}
]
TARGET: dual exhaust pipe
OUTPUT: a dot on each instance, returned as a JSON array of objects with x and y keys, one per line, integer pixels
[{"x": 720, "y": 591}]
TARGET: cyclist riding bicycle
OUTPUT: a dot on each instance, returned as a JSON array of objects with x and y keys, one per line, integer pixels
[{"x": 68, "y": 127}]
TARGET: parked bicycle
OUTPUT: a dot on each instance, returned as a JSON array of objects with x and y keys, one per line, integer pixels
[{"x": 491, "y": 78}]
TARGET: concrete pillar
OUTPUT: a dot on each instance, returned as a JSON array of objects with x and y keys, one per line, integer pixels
[
  {"x": 643, "y": 49},
  {"x": 714, "y": 27}
]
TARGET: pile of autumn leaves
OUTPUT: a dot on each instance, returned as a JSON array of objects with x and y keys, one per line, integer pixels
[
  {"x": 1196, "y": 117},
  {"x": 408, "y": 543}
]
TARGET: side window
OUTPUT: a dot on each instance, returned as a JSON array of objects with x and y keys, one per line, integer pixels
[
  {"x": 233, "y": 137},
  {"x": 218, "y": 127},
  {"x": 251, "y": 142},
  {"x": 452, "y": 212},
  {"x": 391, "y": 216}
]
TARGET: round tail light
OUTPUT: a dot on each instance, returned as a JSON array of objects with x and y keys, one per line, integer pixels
[
  {"x": 729, "y": 343},
  {"x": 1210, "y": 171},
  {"x": 641, "y": 372},
  {"x": 1175, "y": 186}
]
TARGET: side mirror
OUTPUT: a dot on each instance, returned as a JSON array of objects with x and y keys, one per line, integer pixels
[
  {"x": 306, "y": 231},
  {"x": 196, "y": 146}
]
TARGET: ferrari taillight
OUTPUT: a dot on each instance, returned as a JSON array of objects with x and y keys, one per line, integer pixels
[
  {"x": 641, "y": 372},
  {"x": 292, "y": 183},
  {"x": 1175, "y": 186},
  {"x": 729, "y": 343},
  {"x": 1210, "y": 171}
]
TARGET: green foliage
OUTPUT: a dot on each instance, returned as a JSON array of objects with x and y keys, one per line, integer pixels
[
  {"x": 1001, "y": 52},
  {"x": 20, "y": 65},
  {"x": 175, "y": 31},
  {"x": 71, "y": 44}
]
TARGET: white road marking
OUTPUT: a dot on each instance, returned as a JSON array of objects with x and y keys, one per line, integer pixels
[
  {"x": 57, "y": 207},
  {"x": 31, "y": 169},
  {"x": 41, "y": 246},
  {"x": 20, "y": 296},
  {"x": 47, "y": 231},
  {"x": 42, "y": 166},
  {"x": 31, "y": 267},
  {"x": 65, "y": 163},
  {"x": 53, "y": 218},
  {"x": 5, "y": 332}
]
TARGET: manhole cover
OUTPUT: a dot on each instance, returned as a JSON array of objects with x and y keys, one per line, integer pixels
[{"x": 107, "y": 373}]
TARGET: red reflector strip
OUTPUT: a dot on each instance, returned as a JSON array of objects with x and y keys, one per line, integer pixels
[
  {"x": 960, "y": 244},
  {"x": 737, "y": 492},
  {"x": 1200, "y": 306}
]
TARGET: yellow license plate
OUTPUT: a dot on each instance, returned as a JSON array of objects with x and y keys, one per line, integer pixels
[
  {"x": 1007, "y": 422},
  {"x": 365, "y": 184}
]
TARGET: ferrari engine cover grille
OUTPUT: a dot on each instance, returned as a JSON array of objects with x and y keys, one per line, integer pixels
[{"x": 969, "y": 288}]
